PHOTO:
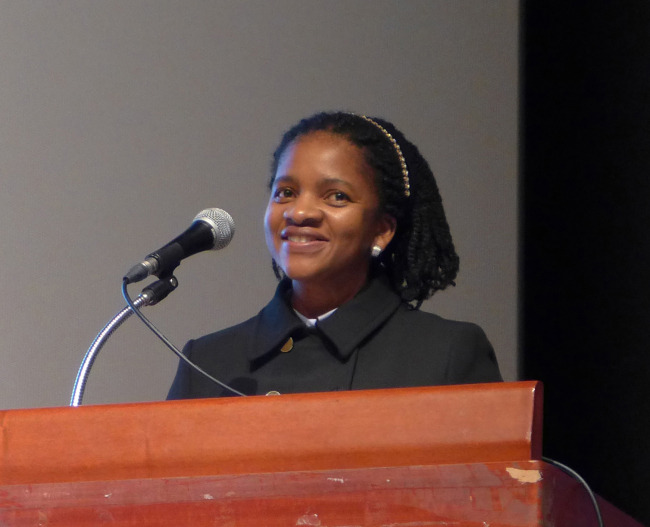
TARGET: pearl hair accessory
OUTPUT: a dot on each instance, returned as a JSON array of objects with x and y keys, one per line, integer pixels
[{"x": 398, "y": 150}]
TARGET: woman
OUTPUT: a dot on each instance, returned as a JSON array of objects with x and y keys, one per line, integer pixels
[{"x": 358, "y": 236}]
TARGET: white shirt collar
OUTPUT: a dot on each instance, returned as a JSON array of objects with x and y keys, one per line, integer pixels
[{"x": 311, "y": 322}]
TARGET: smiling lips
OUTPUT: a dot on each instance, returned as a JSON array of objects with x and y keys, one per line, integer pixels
[
  {"x": 301, "y": 236},
  {"x": 299, "y": 239}
]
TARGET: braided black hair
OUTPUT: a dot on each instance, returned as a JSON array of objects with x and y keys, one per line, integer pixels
[{"x": 420, "y": 259}]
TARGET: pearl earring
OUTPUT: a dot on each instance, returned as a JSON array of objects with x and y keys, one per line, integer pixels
[{"x": 376, "y": 251}]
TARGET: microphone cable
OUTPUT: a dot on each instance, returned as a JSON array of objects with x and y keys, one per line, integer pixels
[
  {"x": 582, "y": 481},
  {"x": 169, "y": 344}
]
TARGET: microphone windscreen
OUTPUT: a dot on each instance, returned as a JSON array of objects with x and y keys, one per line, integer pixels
[{"x": 222, "y": 224}]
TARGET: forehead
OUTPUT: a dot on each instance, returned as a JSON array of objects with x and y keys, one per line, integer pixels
[{"x": 326, "y": 154}]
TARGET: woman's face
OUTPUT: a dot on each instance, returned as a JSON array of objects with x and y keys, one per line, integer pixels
[{"x": 323, "y": 215}]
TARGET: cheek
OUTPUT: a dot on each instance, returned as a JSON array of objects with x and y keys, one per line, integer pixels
[
  {"x": 269, "y": 225},
  {"x": 369, "y": 227},
  {"x": 272, "y": 215}
]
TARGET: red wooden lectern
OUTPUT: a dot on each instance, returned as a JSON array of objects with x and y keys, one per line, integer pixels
[{"x": 457, "y": 455}]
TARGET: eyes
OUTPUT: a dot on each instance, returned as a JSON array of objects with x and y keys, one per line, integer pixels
[
  {"x": 333, "y": 197},
  {"x": 283, "y": 194}
]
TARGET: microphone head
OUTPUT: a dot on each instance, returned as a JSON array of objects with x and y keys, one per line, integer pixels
[{"x": 221, "y": 223}]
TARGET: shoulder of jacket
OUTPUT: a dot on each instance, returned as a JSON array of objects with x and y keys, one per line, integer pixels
[
  {"x": 417, "y": 318},
  {"x": 234, "y": 333}
]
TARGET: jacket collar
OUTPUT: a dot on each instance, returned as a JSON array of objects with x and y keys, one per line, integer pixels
[{"x": 345, "y": 329}]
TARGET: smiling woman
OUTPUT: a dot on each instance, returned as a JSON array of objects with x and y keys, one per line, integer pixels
[
  {"x": 323, "y": 220},
  {"x": 358, "y": 237}
]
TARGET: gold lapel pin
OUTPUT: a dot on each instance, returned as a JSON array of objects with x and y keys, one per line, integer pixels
[{"x": 288, "y": 346}]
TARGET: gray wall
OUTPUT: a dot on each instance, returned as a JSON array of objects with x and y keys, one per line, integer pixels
[{"x": 122, "y": 119}]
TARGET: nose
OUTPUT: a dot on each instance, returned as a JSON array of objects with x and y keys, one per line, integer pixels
[{"x": 304, "y": 210}]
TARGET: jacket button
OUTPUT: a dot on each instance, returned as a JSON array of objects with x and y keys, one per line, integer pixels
[{"x": 288, "y": 346}]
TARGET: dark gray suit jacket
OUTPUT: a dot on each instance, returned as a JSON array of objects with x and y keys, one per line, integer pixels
[{"x": 372, "y": 341}]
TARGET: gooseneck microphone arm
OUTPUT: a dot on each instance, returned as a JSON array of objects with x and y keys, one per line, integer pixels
[
  {"x": 152, "y": 294},
  {"x": 212, "y": 229}
]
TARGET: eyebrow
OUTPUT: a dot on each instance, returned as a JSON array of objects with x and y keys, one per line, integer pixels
[
  {"x": 284, "y": 179},
  {"x": 325, "y": 181},
  {"x": 334, "y": 181}
]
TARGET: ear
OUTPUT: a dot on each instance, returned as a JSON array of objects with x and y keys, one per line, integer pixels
[{"x": 386, "y": 226}]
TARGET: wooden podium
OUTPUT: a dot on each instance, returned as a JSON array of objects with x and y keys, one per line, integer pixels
[{"x": 458, "y": 455}]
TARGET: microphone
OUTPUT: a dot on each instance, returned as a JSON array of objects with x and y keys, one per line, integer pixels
[{"x": 212, "y": 229}]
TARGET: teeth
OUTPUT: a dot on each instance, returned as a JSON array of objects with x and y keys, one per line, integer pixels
[{"x": 299, "y": 239}]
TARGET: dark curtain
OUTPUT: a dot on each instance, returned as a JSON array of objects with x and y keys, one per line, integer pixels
[{"x": 585, "y": 275}]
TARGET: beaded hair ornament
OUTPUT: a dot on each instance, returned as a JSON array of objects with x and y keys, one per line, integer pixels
[{"x": 398, "y": 150}]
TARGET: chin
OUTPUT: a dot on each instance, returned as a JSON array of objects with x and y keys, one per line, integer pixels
[
  {"x": 301, "y": 275},
  {"x": 301, "y": 268}
]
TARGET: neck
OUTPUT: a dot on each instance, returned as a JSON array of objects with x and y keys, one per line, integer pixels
[{"x": 313, "y": 300}]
